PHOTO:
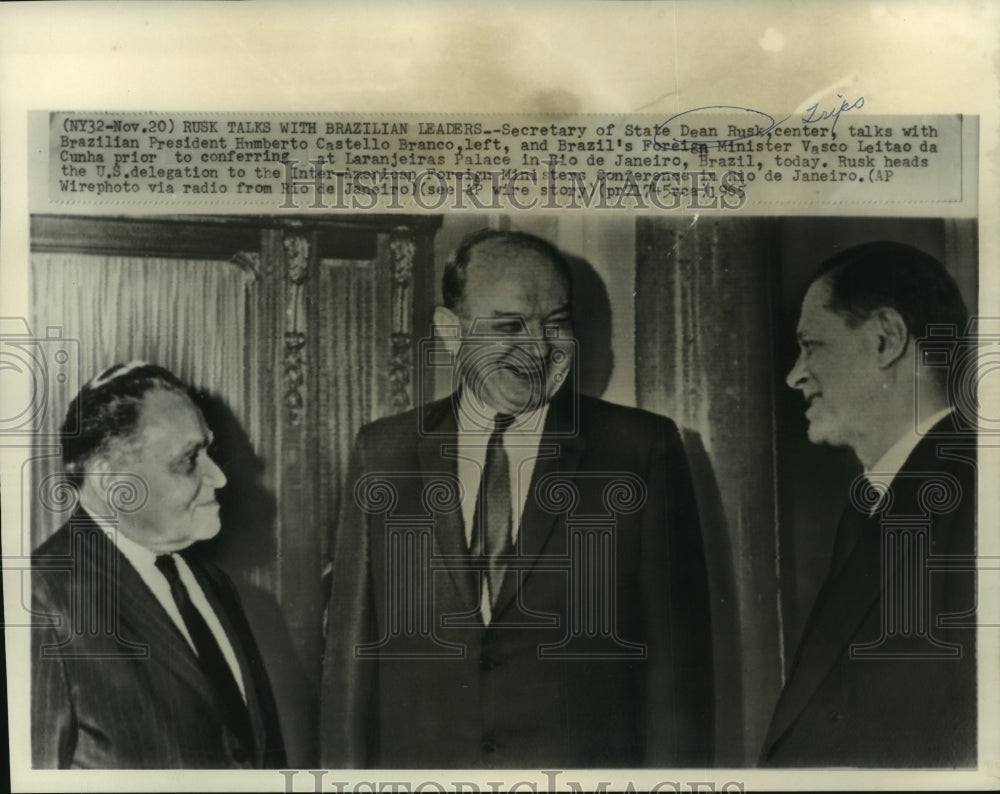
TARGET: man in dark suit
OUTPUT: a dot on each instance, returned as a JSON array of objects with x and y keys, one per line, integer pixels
[
  {"x": 518, "y": 572},
  {"x": 885, "y": 673},
  {"x": 141, "y": 654}
]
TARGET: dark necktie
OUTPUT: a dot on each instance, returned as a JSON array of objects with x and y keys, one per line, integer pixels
[
  {"x": 213, "y": 662},
  {"x": 491, "y": 525}
]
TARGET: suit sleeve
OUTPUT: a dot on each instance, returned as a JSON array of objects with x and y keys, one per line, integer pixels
[
  {"x": 680, "y": 721},
  {"x": 53, "y": 722},
  {"x": 348, "y": 686}
]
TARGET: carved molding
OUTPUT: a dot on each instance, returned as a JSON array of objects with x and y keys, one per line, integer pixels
[
  {"x": 400, "y": 362},
  {"x": 249, "y": 262},
  {"x": 402, "y": 252},
  {"x": 296, "y": 258},
  {"x": 294, "y": 364},
  {"x": 294, "y": 374}
]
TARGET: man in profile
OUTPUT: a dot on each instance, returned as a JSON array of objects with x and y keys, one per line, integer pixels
[
  {"x": 141, "y": 654},
  {"x": 554, "y": 609},
  {"x": 885, "y": 673}
]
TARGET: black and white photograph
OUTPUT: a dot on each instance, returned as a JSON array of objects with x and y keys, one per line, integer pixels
[{"x": 739, "y": 479}]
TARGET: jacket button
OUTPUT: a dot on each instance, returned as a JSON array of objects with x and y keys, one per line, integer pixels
[
  {"x": 836, "y": 715},
  {"x": 489, "y": 746},
  {"x": 240, "y": 755}
]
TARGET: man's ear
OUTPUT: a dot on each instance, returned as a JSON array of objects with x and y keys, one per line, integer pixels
[
  {"x": 892, "y": 336},
  {"x": 447, "y": 328},
  {"x": 99, "y": 473},
  {"x": 94, "y": 483}
]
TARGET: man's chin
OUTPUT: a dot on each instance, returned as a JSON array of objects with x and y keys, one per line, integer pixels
[
  {"x": 205, "y": 531},
  {"x": 818, "y": 434},
  {"x": 821, "y": 434},
  {"x": 517, "y": 399}
]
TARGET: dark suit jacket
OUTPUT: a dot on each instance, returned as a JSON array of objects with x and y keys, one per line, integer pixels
[
  {"x": 114, "y": 683},
  {"x": 516, "y": 693},
  {"x": 879, "y": 710}
]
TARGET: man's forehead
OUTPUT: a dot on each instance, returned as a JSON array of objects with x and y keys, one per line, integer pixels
[
  {"x": 170, "y": 418},
  {"x": 814, "y": 303},
  {"x": 496, "y": 259},
  {"x": 496, "y": 271}
]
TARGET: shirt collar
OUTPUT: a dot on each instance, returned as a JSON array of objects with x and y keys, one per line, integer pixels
[
  {"x": 888, "y": 466},
  {"x": 137, "y": 554},
  {"x": 474, "y": 416},
  {"x": 141, "y": 558}
]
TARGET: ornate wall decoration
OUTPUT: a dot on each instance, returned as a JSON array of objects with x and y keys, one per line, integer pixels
[
  {"x": 294, "y": 374},
  {"x": 296, "y": 274},
  {"x": 296, "y": 258},
  {"x": 249, "y": 262},
  {"x": 402, "y": 252}
]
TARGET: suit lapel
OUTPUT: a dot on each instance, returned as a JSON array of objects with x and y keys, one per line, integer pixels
[
  {"x": 559, "y": 451},
  {"x": 141, "y": 616},
  {"x": 226, "y": 611},
  {"x": 842, "y": 606},
  {"x": 437, "y": 453},
  {"x": 853, "y": 586}
]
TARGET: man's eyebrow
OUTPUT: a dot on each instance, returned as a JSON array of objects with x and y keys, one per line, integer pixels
[
  {"x": 203, "y": 443},
  {"x": 518, "y": 315}
]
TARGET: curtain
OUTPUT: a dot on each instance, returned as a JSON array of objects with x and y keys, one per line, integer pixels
[
  {"x": 350, "y": 378},
  {"x": 187, "y": 315},
  {"x": 704, "y": 356}
]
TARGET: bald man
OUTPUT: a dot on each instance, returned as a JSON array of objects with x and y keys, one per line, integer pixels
[{"x": 518, "y": 573}]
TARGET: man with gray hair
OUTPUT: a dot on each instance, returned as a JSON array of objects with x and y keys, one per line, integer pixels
[{"x": 141, "y": 653}]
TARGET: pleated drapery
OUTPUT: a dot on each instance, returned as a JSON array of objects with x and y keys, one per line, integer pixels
[
  {"x": 189, "y": 316},
  {"x": 349, "y": 376}
]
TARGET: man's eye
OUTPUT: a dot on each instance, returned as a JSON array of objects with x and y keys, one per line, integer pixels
[
  {"x": 508, "y": 328},
  {"x": 192, "y": 460}
]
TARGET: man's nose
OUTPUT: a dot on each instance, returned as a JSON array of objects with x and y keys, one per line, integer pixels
[
  {"x": 796, "y": 375},
  {"x": 534, "y": 341},
  {"x": 212, "y": 473}
]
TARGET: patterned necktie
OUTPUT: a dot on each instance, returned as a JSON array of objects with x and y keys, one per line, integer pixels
[
  {"x": 213, "y": 662},
  {"x": 491, "y": 526}
]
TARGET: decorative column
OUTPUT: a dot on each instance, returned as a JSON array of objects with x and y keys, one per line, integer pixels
[
  {"x": 402, "y": 249},
  {"x": 296, "y": 273},
  {"x": 298, "y": 543}
]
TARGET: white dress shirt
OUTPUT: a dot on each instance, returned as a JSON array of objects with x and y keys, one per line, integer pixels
[
  {"x": 520, "y": 441},
  {"x": 885, "y": 469},
  {"x": 144, "y": 562}
]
